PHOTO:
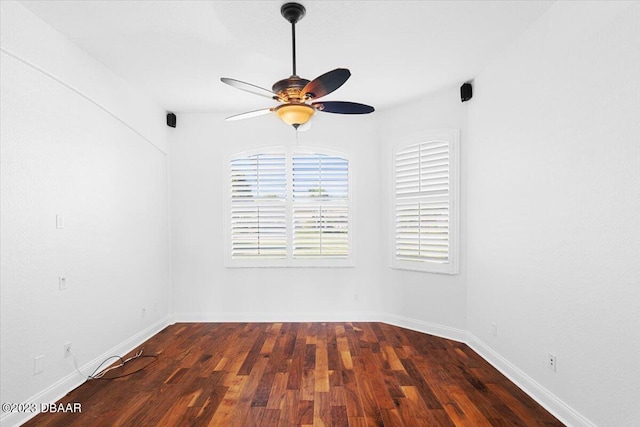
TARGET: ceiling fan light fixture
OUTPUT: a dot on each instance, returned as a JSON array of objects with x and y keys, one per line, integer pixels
[
  {"x": 295, "y": 114},
  {"x": 297, "y": 94}
]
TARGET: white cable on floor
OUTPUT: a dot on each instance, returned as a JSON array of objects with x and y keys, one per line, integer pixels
[{"x": 100, "y": 374}]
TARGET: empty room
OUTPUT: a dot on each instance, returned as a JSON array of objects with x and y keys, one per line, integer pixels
[{"x": 320, "y": 213}]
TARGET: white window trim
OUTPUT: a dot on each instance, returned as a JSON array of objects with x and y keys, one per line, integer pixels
[
  {"x": 289, "y": 261},
  {"x": 453, "y": 136}
]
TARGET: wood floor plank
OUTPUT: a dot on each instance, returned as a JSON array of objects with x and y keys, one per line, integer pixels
[
  {"x": 339, "y": 416},
  {"x": 374, "y": 374},
  {"x": 301, "y": 374},
  {"x": 307, "y": 387},
  {"x": 336, "y": 378},
  {"x": 365, "y": 389},
  {"x": 254, "y": 416},
  {"x": 333, "y": 355},
  {"x": 278, "y": 390},
  {"x": 297, "y": 360},
  {"x": 353, "y": 401},
  {"x": 322, "y": 364},
  {"x": 424, "y": 389},
  {"x": 321, "y": 410},
  {"x": 272, "y": 335},
  {"x": 352, "y": 340},
  {"x": 391, "y": 418},
  {"x": 223, "y": 416},
  {"x": 345, "y": 358},
  {"x": 337, "y": 397},
  {"x": 410, "y": 409},
  {"x": 357, "y": 422},
  {"x": 471, "y": 413},
  {"x": 201, "y": 416},
  {"x": 263, "y": 391},
  {"x": 521, "y": 409},
  {"x": 305, "y": 412},
  {"x": 270, "y": 418},
  {"x": 392, "y": 358},
  {"x": 289, "y": 408},
  {"x": 176, "y": 412},
  {"x": 243, "y": 404},
  {"x": 253, "y": 355},
  {"x": 137, "y": 405}
]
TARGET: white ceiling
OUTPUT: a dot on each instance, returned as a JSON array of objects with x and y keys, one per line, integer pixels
[{"x": 176, "y": 51}]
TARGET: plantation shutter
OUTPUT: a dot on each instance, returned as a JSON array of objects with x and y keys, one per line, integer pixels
[
  {"x": 258, "y": 207},
  {"x": 423, "y": 203},
  {"x": 320, "y": 206}
]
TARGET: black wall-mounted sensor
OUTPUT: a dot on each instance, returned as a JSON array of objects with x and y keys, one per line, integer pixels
[
  {"x": 171, "y": 120},
  {"x": 466, "y": 92}
]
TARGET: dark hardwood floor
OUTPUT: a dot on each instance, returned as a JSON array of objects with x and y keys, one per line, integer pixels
[{"x": 302, "y": 374}]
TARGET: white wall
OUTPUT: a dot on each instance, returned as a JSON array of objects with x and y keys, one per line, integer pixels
[
  {"x": 553, "y": 196},
  {"x": 203, "y": 288},
  {"x": 549, "y": 231},
  {"x": 76, "y": 141},
  {"x": 425, "y": 301}
]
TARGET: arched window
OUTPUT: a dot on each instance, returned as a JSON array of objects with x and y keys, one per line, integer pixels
[{"x": 288, "y": 208}]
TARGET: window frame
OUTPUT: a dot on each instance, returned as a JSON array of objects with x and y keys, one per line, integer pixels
[
  {"x": 288, "y": 261},
  {"x": 452, "y": 137}
]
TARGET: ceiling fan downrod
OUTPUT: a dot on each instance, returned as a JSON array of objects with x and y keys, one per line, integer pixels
[
  {"x": 293, "y": 12},
  {"x": 298, "y": 96}
]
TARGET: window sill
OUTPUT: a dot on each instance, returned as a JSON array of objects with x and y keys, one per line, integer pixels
[
  {"x": 448, "y": 270},
  {"x": 318, "y": 263}
]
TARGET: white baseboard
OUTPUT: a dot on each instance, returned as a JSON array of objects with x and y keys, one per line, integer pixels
[
  {"x": 436, "y": 329},
  {"x": 537, "y": 392},
  {"x": 355, "y": 316},
  {"x": 256, "y": 317},
  {"x": 59, "y": 389}
]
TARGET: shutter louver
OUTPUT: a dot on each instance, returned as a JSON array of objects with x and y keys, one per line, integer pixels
[
  {"x": 422, "y": 188},
  {"x": 258, "y": 207},
  {"x": 320, "y": 206}
]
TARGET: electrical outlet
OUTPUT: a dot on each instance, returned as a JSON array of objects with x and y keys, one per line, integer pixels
[
  {"x": 552, "y": 362},
  {"x": 144, "y": 312},
  {"x": 62, "y": 283},
  {"x": 67, "y": 349},
  {"x": 494, "y": 329}
]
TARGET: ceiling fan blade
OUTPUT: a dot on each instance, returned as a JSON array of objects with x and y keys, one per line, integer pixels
[
  {"x": 343, "y": 107},
  {"x": 326, "y": 83},
  {"x": 249, "y": 114},
  {"x": 248, "y": 87}
]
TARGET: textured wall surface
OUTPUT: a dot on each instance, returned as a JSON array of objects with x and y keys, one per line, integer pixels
[
  {"x": 553, "y": 199},
  {"x": 75, "y": 154},
  {"x": 437, "y": 299},
  {"x": 203, "y": 288},
  {"x": 550, "y": 239}
]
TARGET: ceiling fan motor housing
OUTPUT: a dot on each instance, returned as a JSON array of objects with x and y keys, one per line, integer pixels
[{"x": 289, "y": 89}]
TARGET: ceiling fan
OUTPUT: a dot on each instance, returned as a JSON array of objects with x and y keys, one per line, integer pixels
[{"x": 297, "y": 96}]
